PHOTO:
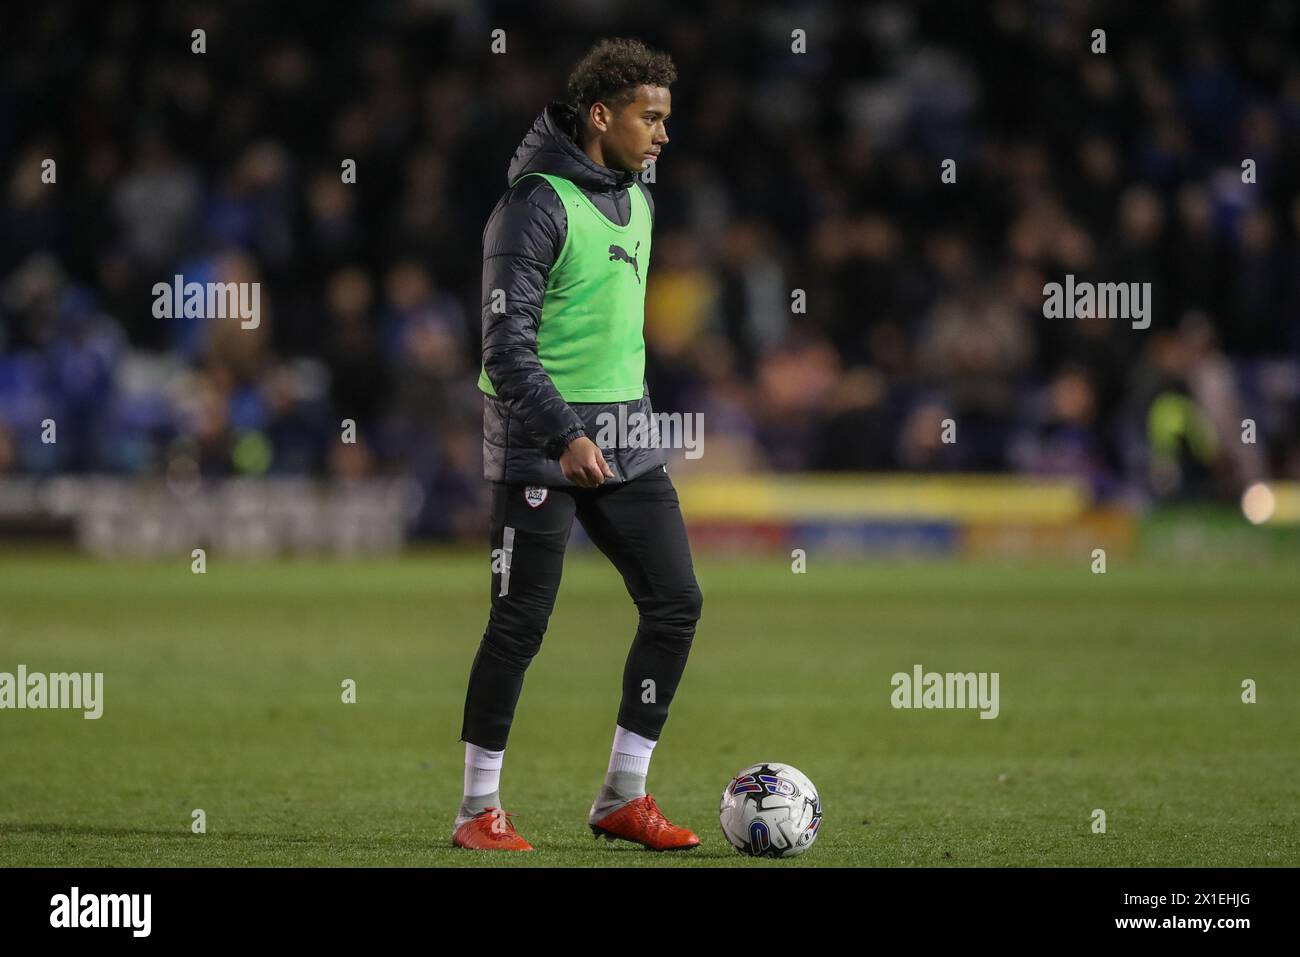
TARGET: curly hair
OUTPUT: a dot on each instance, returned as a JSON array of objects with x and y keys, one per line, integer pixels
[{"x": 613, "y": 69}]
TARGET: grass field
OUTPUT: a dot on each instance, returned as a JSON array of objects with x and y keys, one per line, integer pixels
[{"x": 222, "y": 692}]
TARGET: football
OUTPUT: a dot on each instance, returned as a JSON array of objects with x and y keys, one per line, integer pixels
[{"x": 770, "y": 810}]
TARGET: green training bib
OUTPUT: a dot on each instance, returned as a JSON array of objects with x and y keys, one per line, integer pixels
[{"x": 590, "y": 340}]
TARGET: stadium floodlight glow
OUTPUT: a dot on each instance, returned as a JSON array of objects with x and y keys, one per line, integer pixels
[{"x": 1258, "y": 503}]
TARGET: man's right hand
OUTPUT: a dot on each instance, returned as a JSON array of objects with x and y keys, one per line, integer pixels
[{"x": 583, "y": 464}]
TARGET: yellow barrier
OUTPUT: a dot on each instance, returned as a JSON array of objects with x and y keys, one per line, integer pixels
[
  {"x": 1272, "y": 503},
  {"x": 846, "y": 496}
]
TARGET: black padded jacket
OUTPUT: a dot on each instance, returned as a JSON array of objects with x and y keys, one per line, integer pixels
[{"x": 527, "y": 426}]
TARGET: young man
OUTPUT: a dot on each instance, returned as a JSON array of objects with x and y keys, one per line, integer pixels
[{"x": 564, "y": 269}]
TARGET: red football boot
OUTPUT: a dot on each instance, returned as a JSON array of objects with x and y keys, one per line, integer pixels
[
  {"x": 490, "y": 830},
  {"x": 641, "y": 822}
]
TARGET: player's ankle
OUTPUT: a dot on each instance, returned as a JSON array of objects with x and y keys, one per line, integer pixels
[{"x": 473, "y": 804}]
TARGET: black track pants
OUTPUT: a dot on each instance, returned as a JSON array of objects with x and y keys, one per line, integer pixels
[{"x": 638, "y": 525}]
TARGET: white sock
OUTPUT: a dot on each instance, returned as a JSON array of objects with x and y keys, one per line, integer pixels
[
  {"x": 482, "y": 770},
  {"x": 631, "y": 753}
]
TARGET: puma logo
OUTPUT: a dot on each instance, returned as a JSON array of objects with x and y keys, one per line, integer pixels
[{"x": 618, "y": 252}]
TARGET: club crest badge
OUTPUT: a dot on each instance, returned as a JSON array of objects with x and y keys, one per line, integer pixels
[{"x": 535, "y": 495}]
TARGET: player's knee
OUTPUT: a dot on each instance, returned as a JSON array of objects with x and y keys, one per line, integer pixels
[
  {"x": 514, "y": 651},
  {"x": 514, "y": 641},
  {"x": 693, "y": 603},
  {"x": 677, "y": 613}
]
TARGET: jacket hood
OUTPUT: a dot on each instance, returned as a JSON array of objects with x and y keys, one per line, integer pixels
[{"x": 550, "y": 147}]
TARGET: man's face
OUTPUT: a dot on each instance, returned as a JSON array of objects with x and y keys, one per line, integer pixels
[{"x": 633, "y": 136}]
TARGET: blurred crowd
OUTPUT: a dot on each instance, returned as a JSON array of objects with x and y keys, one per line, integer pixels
[{"x": 817, "y": 290}]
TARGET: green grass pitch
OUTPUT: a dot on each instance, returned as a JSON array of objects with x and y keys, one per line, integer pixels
[{"x": 222, "y": 692}]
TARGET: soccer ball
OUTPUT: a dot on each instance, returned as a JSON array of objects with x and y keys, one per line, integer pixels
[{"x": 770, "y": 810}]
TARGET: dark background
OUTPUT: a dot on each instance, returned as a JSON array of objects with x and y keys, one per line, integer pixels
[{"x": 815, "y": 171}]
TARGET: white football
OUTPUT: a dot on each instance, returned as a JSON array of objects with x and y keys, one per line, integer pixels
[{"x": 770, "y": 810}]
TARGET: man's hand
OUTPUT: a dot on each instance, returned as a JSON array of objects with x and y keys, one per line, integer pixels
[{"x": 583, "y": 464}]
